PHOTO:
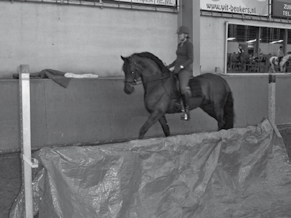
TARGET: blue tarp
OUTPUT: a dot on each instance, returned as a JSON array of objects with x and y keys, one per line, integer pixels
[{"x": 242, "y": 172}]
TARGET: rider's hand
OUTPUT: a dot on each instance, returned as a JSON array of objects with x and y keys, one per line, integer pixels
[{"x": 176, "y": 70}]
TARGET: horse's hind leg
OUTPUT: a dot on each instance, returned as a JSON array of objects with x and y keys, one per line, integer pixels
[
  {"x": 215, "y": 110},
  {"x": 228, "y": 112},
  {"x": 219, "y": 115}
]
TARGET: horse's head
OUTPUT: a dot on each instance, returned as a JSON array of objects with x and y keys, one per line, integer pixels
[{"x": 130, "y": 69}]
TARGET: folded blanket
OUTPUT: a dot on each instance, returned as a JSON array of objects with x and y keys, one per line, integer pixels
[
  {"x": 61, "y": 78},
  {"x": 56, "y": 76},
  {"x": 81, "y": 76}
]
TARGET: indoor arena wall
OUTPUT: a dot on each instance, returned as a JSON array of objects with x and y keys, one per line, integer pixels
[
  {"x": 81, "y": 39},
  {"x": 97, "y": 110}
]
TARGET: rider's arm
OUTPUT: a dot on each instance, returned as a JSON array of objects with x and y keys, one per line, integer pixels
[
  {"x": 282, "y": 54},
  {"x": 172, "y": 64},
  {"x": 190, "y": 55}
]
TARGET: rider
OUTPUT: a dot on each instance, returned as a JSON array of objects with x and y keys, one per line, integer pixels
[
  {"x": 280, "y": 54},
  {"x": 183, "y": 67},
  {"x": 240, "y": 51}
]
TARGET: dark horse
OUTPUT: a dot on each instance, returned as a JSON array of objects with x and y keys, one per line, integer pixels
[
  {"x": 210, "y": 92},
  {"x": 237, "y": 61}
]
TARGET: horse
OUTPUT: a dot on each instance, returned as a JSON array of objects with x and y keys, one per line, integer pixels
[
  {"x": 237, "y": 60},
  {"x": 284, "y": 63},
  {"x": 273, "y": 63},
  {"x": 210, "y": 92}
]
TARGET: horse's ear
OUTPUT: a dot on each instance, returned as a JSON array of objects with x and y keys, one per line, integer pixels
[{"x": 123, "y": 58}]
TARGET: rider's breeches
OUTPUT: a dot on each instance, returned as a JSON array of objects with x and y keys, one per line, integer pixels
[{"x": 184, "y": 77}]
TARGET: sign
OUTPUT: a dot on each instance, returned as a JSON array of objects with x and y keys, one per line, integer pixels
[
  {"x": 152, "y": 2},
  {"x": 281, "y": 8},
  {"x": 249, "y": 7}
]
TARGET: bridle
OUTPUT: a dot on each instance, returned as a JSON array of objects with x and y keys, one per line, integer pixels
[{"x": 135, "y": 82}]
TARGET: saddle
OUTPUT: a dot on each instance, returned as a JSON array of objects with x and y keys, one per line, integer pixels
[{"x": 194, "y": 86}]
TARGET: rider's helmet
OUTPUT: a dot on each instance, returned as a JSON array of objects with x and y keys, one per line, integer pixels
[{"x": 183, "y": 29}]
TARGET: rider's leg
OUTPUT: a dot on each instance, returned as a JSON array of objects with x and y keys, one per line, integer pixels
[
  {"x": 279, "y": 61},
  {"x": 184, "y": 77}
]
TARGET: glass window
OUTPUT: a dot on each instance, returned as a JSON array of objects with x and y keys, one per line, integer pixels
[{"x": 249, "y": 48}]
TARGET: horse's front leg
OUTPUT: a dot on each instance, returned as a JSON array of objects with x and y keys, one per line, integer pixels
[
  {"x": 273, "y": 68},
  {"x": 165, "y": 126},
  {"x": 153, "y": 118}
]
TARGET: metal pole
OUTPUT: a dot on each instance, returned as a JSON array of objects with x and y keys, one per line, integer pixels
[
  {"x": 225, "y": 47},
  {"x": 272, "y": 99},
  {"x": 24, "y": 85}
]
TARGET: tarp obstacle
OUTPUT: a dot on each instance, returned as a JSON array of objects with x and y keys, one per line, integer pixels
[{"x": 242, "y": 172}]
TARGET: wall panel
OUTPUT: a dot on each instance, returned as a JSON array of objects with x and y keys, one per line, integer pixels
[
  {"x": 80, "y": 39},
  {"x": 97, "y": 110}
]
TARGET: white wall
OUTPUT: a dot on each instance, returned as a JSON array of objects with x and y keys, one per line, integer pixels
[
  {"x": 80, "y": 39},
  {"x": 83, "y": 39},
  {"x": 212, "y": 33}
]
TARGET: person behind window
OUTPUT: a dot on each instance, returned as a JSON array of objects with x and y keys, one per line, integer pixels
[
  {"x": 280, "y": 54},
  {"x": 183, "y": 67},
  {"x": 240, "y": 50}
]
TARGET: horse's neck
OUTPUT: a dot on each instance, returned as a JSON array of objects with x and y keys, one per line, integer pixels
[
  {"x": 149, "y": 70},
  {"x": 273, "y": 58}
]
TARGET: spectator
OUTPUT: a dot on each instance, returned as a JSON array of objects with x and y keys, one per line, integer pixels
[
  {"x": 240, "y": 50},
  {"x": 280, "y": 54}
]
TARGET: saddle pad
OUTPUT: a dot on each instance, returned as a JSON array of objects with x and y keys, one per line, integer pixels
[{"x": 195, "y": 87}]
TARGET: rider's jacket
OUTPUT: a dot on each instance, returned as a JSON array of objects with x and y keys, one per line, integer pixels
[
  {"x": 185, "y": 57},
  {"x": 280, "y": 53},
  {"x": 240, "y": 51}
]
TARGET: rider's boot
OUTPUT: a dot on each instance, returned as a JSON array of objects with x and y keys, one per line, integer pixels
[{"x": 185, "y": 99}]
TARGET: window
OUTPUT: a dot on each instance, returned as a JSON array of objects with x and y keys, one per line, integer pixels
[{"x": 249, "y": 48}]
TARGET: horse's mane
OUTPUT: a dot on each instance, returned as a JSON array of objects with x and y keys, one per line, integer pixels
[{"x": 154, "y": 58}]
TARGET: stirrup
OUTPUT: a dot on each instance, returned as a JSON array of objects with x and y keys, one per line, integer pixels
[{"x": 185, "y": 117}]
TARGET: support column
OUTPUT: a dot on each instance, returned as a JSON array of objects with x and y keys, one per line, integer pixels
[
  {"x": 272, "y": 98},
  {"x": 285, "y": 41},
  {"x": 258, "y": 36},
  {"x": 28, "y": 162},
  {"x": 190, "y": 16}
]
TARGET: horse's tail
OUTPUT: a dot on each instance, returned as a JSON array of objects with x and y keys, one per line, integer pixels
[{"x": 228, "y": 112}]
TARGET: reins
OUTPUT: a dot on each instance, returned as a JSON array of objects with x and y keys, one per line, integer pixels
[
  {"x": 165, "y": 77},
  {"x": 138, "y": 82}
]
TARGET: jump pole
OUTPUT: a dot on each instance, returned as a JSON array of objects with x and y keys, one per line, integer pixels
[
  {"x": 272, "y": 99},
  {"x": 24, "y": 88}
]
